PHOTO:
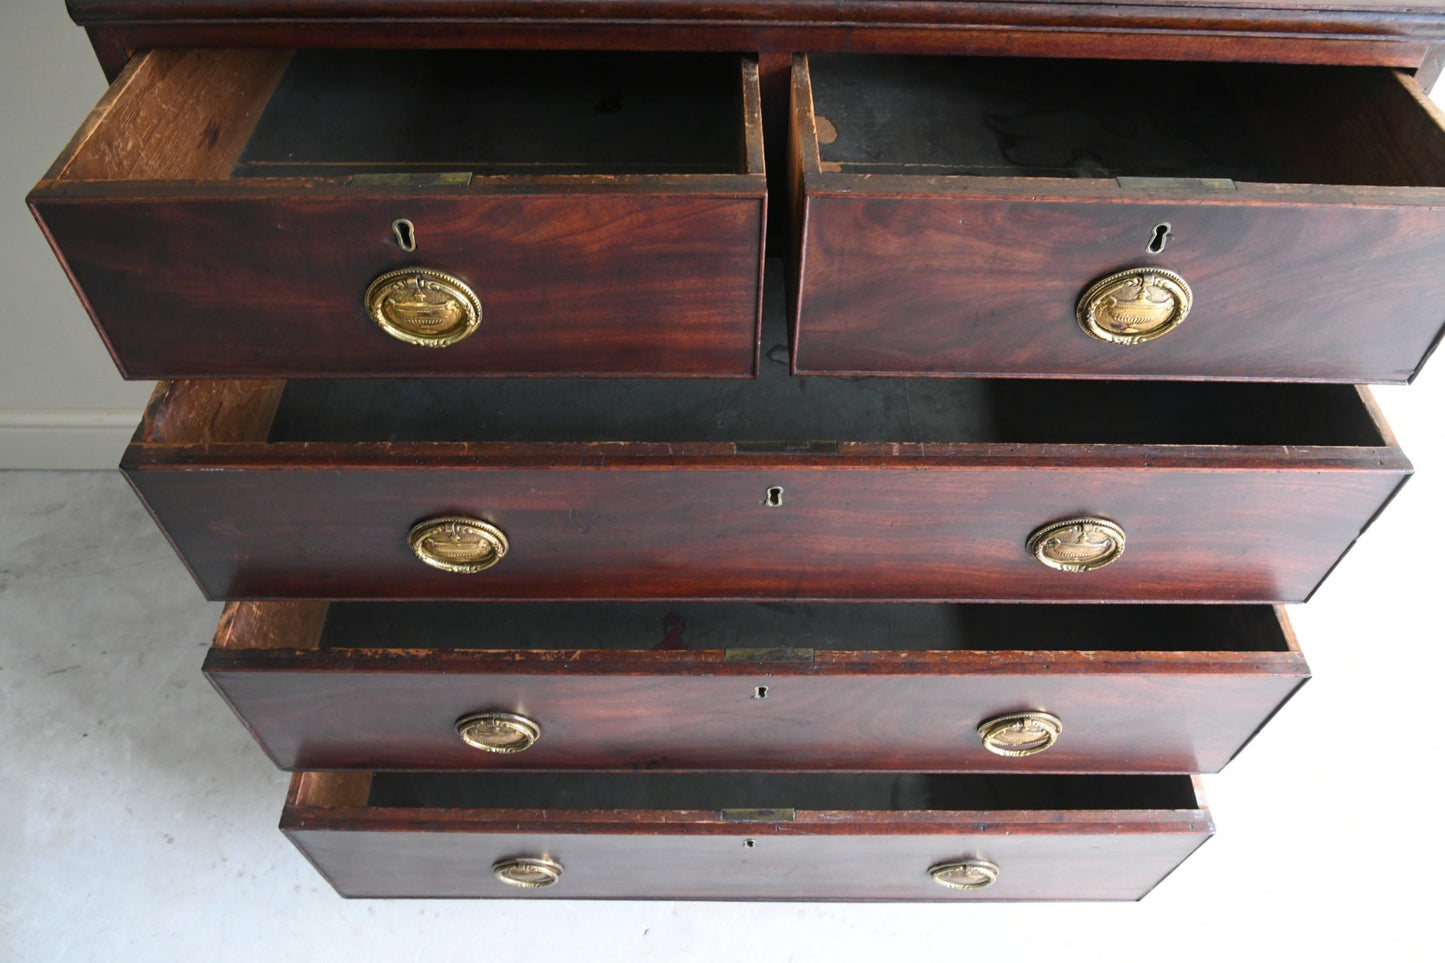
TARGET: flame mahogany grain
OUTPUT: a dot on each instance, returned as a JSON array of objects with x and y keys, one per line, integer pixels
[
  {"x": 873, "y": 520},
  {"x": 1141, "y": 707},
  {"x": 188, "y": 270},
  {"x": 1281, "y": 288},
  {"x": 1079, "y": 853}
]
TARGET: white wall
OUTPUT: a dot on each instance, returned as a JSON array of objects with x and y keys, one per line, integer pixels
[{"x": 62, "y": 404}]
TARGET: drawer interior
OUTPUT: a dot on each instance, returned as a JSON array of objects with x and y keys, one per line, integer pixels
[
  {"x": 704, "y": 626},
  {"x": 499, "y": 113},
  {"x": 418, "y": 117},
  {"x": 744, "y": 790},
  {"x": 778, "y": 409},
  {"x": 1106, "y": 119}
]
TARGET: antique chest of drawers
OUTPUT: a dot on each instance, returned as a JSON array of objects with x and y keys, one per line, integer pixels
[{"x": 571, "y": 552}]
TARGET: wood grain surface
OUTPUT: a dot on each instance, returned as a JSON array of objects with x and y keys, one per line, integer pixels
[
  {"x": 1225, "y": 493},
  {"x": 646, "y": 283},
  {"x": 981, "y": 275},
  {"x": 1366, "y": 31},
  {"x": 1076, "y": 853},
  {"x": 652, "y": 521},
  {"x": 189, "y": 271},
  {"x": 855, "y": 696}
]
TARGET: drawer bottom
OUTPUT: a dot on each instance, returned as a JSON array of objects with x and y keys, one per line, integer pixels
[{"x": 741, "y": 836}]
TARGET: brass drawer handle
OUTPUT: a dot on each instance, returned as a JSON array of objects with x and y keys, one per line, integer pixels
[
  {"x": 1135, "y": 305},
  {"x": 1020, "y": 733},
  {"x": 498, "y": 731},
  {"x": 964, "y": 873},
  {"x": 528, "y": 872},
  {"x": 1079, "y": 544},
  {"x": 455, "y": 543},
  {"x": 423, "y": 306}
]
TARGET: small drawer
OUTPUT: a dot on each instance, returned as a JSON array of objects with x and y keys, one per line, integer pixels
[
  {"x": 1106, "y": 219},
  {"x": 743, "y": 836},
  {"x": 776, "y": 488},
  {"x": 318, "y": 213},
  {"x": 695, "y": 685}
]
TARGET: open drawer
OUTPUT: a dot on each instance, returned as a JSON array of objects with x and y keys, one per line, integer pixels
[
  {"x": 773, "y": 488},
  {"x": 235, "y": 212},
  {"x": 693, "y": 685},
  {"x": 905, "y": 836},
  {"x": 1097, "y": 219}
]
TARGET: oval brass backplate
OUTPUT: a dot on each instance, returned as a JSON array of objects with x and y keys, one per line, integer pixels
[
  {"x": 1134, "y": 305},
  {"x": 528, "y": 872},
  {"x": 456, "y": 543},
  {"x": 1077, "y": 544},
  {"x": 498, "y": 731},
  {"x": 423, "y": 306},
  {"x": 964, "y": 873},
  {"x": 1020, "y": 733}
]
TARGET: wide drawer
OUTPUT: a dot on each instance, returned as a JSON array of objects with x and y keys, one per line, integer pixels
[
  {"x": 775, "y": 488},
  {"x": 691, "y": 685},
  {"x": 745, "y": 836},
  {"x": 242, "y": 213},
  {"x": 1104, "y": 219}
]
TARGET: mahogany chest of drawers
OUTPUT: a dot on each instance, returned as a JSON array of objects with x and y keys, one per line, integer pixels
[{"x": 572, "y": 552}]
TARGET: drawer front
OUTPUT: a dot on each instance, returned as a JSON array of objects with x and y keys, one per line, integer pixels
[
  {"x": 1080, "y": 866},
  {"x": 622, "y": 283},
  {"x": 239, "y": 212},
  {"x": 374, "y": 851},
  {"x": 906, "y": 530},
  {"x": 1283, "y": 223},
  {"x": 1309, "y": 291},
  {"x": 314, "y": 706}
]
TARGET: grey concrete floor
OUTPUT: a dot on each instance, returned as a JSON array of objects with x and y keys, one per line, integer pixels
[{"x": 138, "y": 820}]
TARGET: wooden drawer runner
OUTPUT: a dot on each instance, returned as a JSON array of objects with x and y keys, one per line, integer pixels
[
  {"x": 745, "y": 836},
  {"x": 692, "y": 685},
  {"x": 776, "y": 488},
  {"x": 953, "y": 213},
  {"x": 226, "y": 213}
]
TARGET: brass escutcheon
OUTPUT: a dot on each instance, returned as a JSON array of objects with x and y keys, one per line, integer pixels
[
  {"x": 423, "y": 306},
  {"x": 1134, "y": 305},
  {"x": 528, "y": 872},
  {"x": 455, "y": 543},
  {"x": 964, "y": 873},
  {"x": 1077, "y": 544},
  {"x": 498, "y": 731},
  {"x": 1020, "y": 733}
]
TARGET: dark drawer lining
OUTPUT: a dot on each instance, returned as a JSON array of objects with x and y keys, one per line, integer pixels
[
  {"x": 776, "y": 408},
  {"x": 340, "y": 112},
  {"x": 1010, "y": 117},
  {"x": 743, "y": 790},
  {"x": 701, "y": 626}
]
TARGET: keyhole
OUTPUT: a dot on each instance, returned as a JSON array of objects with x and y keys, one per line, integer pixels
[
  {"x": 774, "y": 497},
  {"x": 1160, "y": 238},
  {"x": 405, "y": 233}
]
